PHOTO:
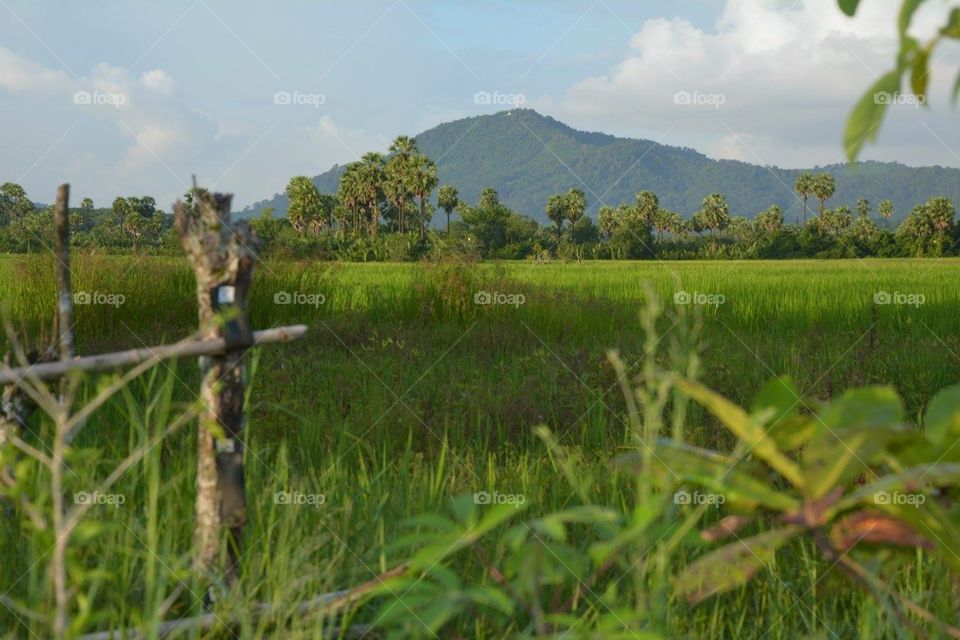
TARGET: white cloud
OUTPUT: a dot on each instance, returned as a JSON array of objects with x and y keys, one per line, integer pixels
[
  {"x": 157, "y": 80},
  {"x": 771, "y": 83},
  {"x": 19, "y": 75}
]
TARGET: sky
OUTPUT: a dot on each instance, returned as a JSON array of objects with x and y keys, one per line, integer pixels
[{"x": 128, "y": 97}]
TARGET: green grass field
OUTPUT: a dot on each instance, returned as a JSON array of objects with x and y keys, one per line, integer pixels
[{"x": 406, "y": 392}]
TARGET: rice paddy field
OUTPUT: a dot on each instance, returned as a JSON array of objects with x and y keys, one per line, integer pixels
[{"x": 420, "y": 382}]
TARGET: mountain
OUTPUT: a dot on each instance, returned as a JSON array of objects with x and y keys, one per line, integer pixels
[{"x": 527, "y": 157}]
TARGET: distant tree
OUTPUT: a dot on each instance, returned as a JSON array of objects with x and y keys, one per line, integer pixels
[
  {"x": 824, "y": 186},
  {"x": 447, "y": 199},
  {"x": 606, "y": 221},
  {"x": 556, "y": 211},
  {"x": 770, "y": 221},
  {"x": 14, "y": 203},
  {"x": 714, "y": 213},
  {"x": 371, "y": 179},
  {"x": 86, "y": 204},
  {"x": 885, "y": 209},
  {"x": 647, "y": 205},
  {"x": 574, "y": 205},
  {"x": 121, "y": 209},
  {"x": 863, "y": 208},
  {"x": 423, "y": 180},
  {"x": 305, "y": 211},
  {"x": 399, "y": 176},
  {"x": 804, "y": 187},
  {"x": 489, "y": 198},
  {"x": 662, "y": 221}
]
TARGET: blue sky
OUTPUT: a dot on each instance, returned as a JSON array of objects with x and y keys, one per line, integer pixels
[{"x": 188, "y": 87}]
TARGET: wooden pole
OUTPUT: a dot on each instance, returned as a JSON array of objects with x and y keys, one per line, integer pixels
[
  {"x": 222, "y": 255},
  {"x": 111, "y": 361},
  {"x": 61, "y": 216}
]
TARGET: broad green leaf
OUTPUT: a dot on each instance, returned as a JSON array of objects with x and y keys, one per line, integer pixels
[
  {"x": 739, "y": 489},
  {"x": 492, "y": 597},
  {"x": 853, "y": 430},
  {"x": 908, "y": 480},
  {"x": 907, "y": 9},
  {"x": 779, "y": 398},
  {"x": 849, "y": 7},
  {"x": 863, "y": 124},
  {"x": 730, "y": 566},
  {"x": 744, "y": 427},
  {"x": 793, "y": 432},
  {"x": 919, "y": 73},
  {"x": 941, "y": 421}
]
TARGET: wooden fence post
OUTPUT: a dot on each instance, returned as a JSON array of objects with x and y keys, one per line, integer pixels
[{"x": 222, "y": 255}]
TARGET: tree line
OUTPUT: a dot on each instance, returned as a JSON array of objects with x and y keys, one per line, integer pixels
[{"x": 384, "y": 208}]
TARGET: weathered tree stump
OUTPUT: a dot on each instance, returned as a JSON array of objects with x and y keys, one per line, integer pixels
[{"x": 222, "y": 255}]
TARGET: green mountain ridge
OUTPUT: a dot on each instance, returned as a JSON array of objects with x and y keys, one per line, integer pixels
[{"x": 527, "y": 157}]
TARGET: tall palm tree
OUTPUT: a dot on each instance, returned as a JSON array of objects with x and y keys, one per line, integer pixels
[
  {"x": 804, "y": 187},
  {"x": 399, "y": 174},
  {"x": 556, "y": 211},
  {"x": 371, "y": 179},
  {"x": 885, "y": 209},
  {"x": 824, "y": 186},
  {"x": 575, "y": 205},
  {"x": 351, "y": 195},
  {"x": 423, "y": 182},
  {"x": 447, "y": 199}
]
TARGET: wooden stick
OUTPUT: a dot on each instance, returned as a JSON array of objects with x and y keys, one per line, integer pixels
[
  {"x": 121, "y": 359},
  {"x": 61, "y": 215}
]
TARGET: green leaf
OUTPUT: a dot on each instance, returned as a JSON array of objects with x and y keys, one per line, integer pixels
[
  {"x": 730, "y": 566},
  {"x": 863, "y": 124},
  {"x": 919, "y": 73},
  {"x": 779, "y": 398},
  {"x": 853, "y": 431},
  {"x": 744, "y": 427},
  {"x": 907, "y": 9},
  {"x": 941, "y": 420},
  {"x": 849, "y": 7},
  {"x": 908, "y": 480}
]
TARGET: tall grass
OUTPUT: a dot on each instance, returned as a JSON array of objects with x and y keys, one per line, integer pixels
[{"x": 405, "y": 393}]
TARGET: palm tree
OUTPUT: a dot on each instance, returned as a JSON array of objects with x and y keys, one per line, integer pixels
[
  {"x": 714, "y": 213},
  {"x": 575, "y": 204},
  {"x": 885, "y": 209},
  {"x": 824, "y": 186},
  {"x": 556, "y": 211},
  {"x": 647, "y": 206},
  {"x": 351, "y": 195},
  {"x": 371, "y": 179},
  {"x": 423, "y": 180},
  {"x": 489, "y": 199},
  {"x": 804, "y": 187},
  {"x": 606, "y": 221},
  {"x": 399, "y": 174},
  {"x": 447, "y": 199}
]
